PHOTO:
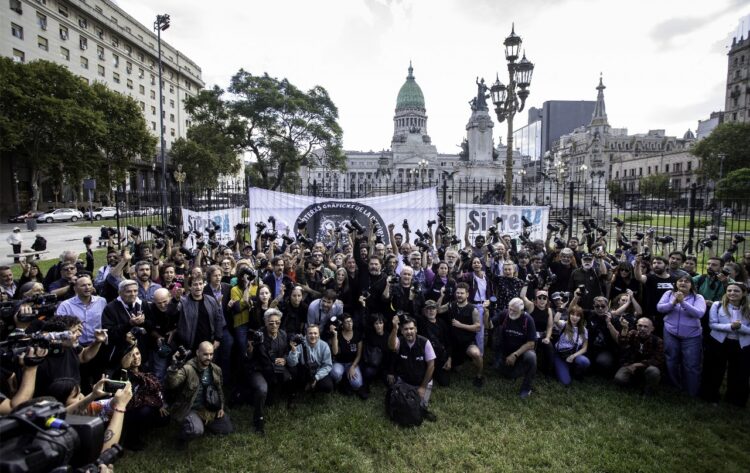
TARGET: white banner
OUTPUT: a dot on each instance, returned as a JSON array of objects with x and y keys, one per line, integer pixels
[
  {"x": 226, "y": 219},
  {"x": 322, "y": 214},
  {"x": 481, "y": 217}
]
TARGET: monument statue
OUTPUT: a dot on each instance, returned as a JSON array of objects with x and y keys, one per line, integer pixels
[{"x": 480, "y": 102}]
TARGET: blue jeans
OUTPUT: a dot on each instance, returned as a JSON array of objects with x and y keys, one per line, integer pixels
[
  {"x": 159, "y": 366},
  {"x": 562, "y": 367},
  {"x": 341, "y": 369},
  {"x": 240, "y": 338},
  {"x": 683, "y": 357},
  {"x": 479, "y": 338},
  {"x": 225, "y": 354}
]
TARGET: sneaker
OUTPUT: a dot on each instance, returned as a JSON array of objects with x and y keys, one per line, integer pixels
[
  {"x": 478, "y": 381},
  {"x": 525, "y": 393},
  {"x": 428, "y": 416}
]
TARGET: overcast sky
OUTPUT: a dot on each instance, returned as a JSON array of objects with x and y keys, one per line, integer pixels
[{"x": 664, "y": 62}]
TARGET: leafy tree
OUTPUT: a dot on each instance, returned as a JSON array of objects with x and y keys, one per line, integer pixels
[
  {"x": 656, "y": 186},
  {"x": 213, "y": 144},
  {"x": 284, "y": 126},
  {"x": 616, "y": 192},
  {"x": 735, "y": 186},
  {"x": 729, "y": 139},
  {"x": 125, "y": 137}
]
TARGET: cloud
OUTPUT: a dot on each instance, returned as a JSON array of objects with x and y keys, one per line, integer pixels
[{"x": 667, "y": 31}]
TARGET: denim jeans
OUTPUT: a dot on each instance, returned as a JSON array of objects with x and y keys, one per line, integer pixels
[
  {"x": 159, "y": 366},
  {"x": 240, "y": 338},
  {"x": 341, "y": 369},
  {"x": 562, "y": 367},
  {"x": 225, "y": 355},
  {"x": 683, "y": 359}
]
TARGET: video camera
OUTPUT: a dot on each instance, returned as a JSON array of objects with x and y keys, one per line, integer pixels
[
  {"x": 307, "y": 241},
  {"x": 42, "y": 437}
]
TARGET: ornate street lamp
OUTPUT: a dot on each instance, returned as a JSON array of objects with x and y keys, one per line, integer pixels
[
  {"x": 422, "y": 166},
  {"x": 161, "y": 24},
  {"x": 511, "y": 99},
  {"x": 180, "y": 176}
]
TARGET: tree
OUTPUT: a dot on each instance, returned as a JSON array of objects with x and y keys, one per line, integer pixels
[
  {"x": 213, "y": 145},
  {"x": 616, "y": 192},
  {"x": 656, "y": 186},
  {"x": 125, "y": 137},
  {"x": 732, "y": 140},
  {"x": 735, "y": 186},
  {"x": 284, "y": 126}
]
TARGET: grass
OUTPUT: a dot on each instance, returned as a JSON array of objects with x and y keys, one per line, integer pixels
[
  {"x": 590, "y": 426},
  {"x": 100, "y": 259},
  {"x": 732, "y": 224},
  {"x": 138, "y": 221}
]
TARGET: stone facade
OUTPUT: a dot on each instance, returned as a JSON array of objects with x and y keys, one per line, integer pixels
[{"x": 737, "y": 102}]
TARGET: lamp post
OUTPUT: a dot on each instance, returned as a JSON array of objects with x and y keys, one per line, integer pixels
[
  {"x": 180, "y": 176},
  {"x": 511, "y": 99},
  {"x": 582, "y": 173},
  {"x": 161, "y": 24},
  {"x": 15, "y": 191},
  {"x": 422, "y": 166}
]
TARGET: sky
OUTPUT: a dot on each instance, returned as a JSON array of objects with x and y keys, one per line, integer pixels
[{"x": 663, "y": 62}]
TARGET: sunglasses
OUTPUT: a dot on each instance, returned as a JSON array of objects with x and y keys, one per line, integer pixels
[{"x": 600, "y": 307}]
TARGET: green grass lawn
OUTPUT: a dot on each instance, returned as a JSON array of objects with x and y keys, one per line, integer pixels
[
  {"x": 590, "y": 426},
  {"x": 138, "y": 221},
  {"x": 100, "y": 259}
]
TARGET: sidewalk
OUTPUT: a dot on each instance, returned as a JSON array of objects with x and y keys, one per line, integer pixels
[{"x": 60, "y": 237}]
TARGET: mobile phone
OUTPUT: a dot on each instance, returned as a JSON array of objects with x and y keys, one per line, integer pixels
[
  {"x": 124, "y": 374},
  {"x": 111, "y": 386}
]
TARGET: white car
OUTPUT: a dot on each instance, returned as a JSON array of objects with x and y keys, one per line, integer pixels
[
  {"x": 60, "y": 215},
  {"x": 105, "y": 212}
]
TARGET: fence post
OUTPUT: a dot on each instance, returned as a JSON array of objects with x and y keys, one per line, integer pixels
[
  {"x": 445, "y": 196},
  {"x": 117, "y": 217},
  {"x": 691, "y": 231},
  {"x": 571, "y": 190},
  {"x": 315, "y": 188}
]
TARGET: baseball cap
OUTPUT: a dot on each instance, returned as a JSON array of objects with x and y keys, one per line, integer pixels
[
  {"x": 430, "y": 304},
  {"x": 587, "y": 256}
]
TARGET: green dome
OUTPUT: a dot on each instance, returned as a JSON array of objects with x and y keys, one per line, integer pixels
[{"x": 410, "y": 96}]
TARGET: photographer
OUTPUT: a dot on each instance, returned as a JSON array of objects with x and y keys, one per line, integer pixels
[
  {"x": 28, "y": 361},
  {"x": 199, "y": 403},
  {"x": 321, "y": 310},
  {"x": 346, "y": 349},
  {"x": 563, "y": 269},
  {"x": 438, "y": 333},
  {"x": 161, "y": 317},
  {"x": 146, "y": 287},
  {"x": 312, "y": 356},
  {"x": 465, "y": 323},
  {"x": 294, "y": 310},
  {"x": 514, "y": 340},
  {"x": 265, "y": 367},
  {"x": 124, "y": 314},
  {"x": 62, "y": 287},
  {"x": 655, "y": 284},
  {"x": 588, "y": 277},
  {"x": 200, "y": 318},
  {"x": 540, "y": 311},
  {"x": 404, "y": 292},
  {"x": 603, "y": 334},
  {"x": 712, "y": 284},
  {"x": 86, "y": 306},
  {"x": 277, "y": 281},
  {"x": 442, "y": 279}
]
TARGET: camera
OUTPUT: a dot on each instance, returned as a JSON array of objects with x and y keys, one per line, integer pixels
[
  {"x": 246, "y": 271},
  {"x": 257, "y": 338},
  {"x": 526, "y": 222},
  {"x": 260, "y": 226},
  {"x": 154, "y": 231},
  {"x": 335, "y": 322},
  {"x": 586, "y": 226},
  {"x": 298, "y": 339},
  {"x": 441, "y": 217},
  {"x": 182, "y": 354},
  {"x": 618, "y": 221},
  {"x": 138, "y": 331},
  {"x": 666, "y": 240},
  {"x": 553, "y": 228},
  {"x": 430, "y": 223},
  {"x": 357, "y": 226},
  {"x": 601, "y": 231},
  {"x": 395, "y": 279},
  {"x": 421, "y": 235},
  {"x": 365, "y": 294},
  {"x": 464, "y": 254},
  {"x": 272, "y": 221},
  {"x": 639, "y": 236},
  {"x": 562, "y": 223},
  {"x": 134, "y": 230},
  {"x": 287, "y": 239},
  {"x": 87, "y": 240},
  {"x": 738, "y": 238},
  {"x": 241, "y": 226},
  {"x": 455, "y": 240},
  {"x": 111, "y": 386},
  {"x": 308, "y": 242},
  {"x": 402, "y": 317},
  {"x": 301, "y": 224},
  {"x": 442, "y": 229},
  {"x": 405, "y": 225}
]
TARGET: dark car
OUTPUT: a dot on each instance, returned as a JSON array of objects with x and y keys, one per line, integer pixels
[{"x": 22, "y": 217}]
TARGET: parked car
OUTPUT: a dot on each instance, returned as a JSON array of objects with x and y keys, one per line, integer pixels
[
  {"x": 143, "y": 212},
  {"x": 60, "y": 215},
  {"x": 104, "y": 212},
  {"x": 23, "y": 217}
]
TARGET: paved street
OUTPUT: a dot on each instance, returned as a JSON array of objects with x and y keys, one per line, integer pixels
[{"x": 60, "y": 236}]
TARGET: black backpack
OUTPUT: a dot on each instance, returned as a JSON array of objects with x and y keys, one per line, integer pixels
[{"x": 403, "y": 404}]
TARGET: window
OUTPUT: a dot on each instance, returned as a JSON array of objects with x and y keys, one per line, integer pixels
[
  {"x": 153, "y": 126},
  {"x": 678, "y": 167},
  {"x": 18, "y": 56},
  {"x": 128, "y": 67},
  {"x": 617, "y": 173},
  {"x": 63, "y": 33},
  {"x": 82, "y": 22},
  {"x": 129, "y": 49},
  {"x": 153, "y": 110},
  {"x": 143, "y": 106},
  {"x": 84, "y": 62},
  {"x": 153, "y": 79},
  {"x": 114, "y": 20},
  {"x": 666, "y": 168},
  {"x": 140, "y": 73},
  {"x": 171, "y": 132},
  {"x": 64, "y": 53},
  {"x": 115, "y": 41},
  {"x": 98, "y": 9},
  {"x": 163, "y": 114},
  {"x": 140, "y": 56},
  {"x": 189, "y": 85},
  {"x": 690, "y": 164},
  {"x": 99, "y": 32},
  {"x": 171, "y": 103},
  {"x": 15, "y": 5},
  {"x": 640, "y": 171},
  {"x": 152, "y": 94},
  {"x": 116, "y": 77},
  {"x": 142, "y": 90},
  {"x": 41, "y": 20},
  {"x": 171, "y": 88},
  {"x": 42, "y": 43},
  {"x": 100, "y": 52},
  {"x": 649, "y": 170},
  {"x": 129, "y": 84},
  {"x": 116, "y": 60},
  {"x": 16, "y": 30},
  {"x": 100, "y": 70},
  {"x": 62, "y": 9},
  {"x": 83, "y": 43},
  {"x": 171, "y": 117}
]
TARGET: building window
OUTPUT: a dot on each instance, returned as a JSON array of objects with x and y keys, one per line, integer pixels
[
  {"x": 114, "y": 20},
  {"x": 83, "y": 43},
  {"x": 100, "y": 52},
  {"x": 153, "y": 126},
  {"x": 98, "y": 9},
  {"x": 142, "y": 90},
  {"x": 171, "y": 117},
  {"x": 116, "y": 77},
  {"x": 140, "y": 73},
  {"x": 128, "y": 67},
  {"x": 129, "y": 83},
  {"x": 84, "y": 62},
  {"x": 62, "y": 9},
  {"x": 41, "y": 20},
  {"x": 129, "y": 49},
  {"x": 65, "y": 53},
  {"x": 116, "y": 60},
  {"x": 153, "y": 95},
  {"x": 18, "y": 56},
  {"x": 99, "y": 32},
  {"x": 42, "y": 43},
  {"x": 666, "y": 168},
  {"x": 617, "y": 173},
  {"x": 143, "y": 106},
  {"x": 63, "y": 33},
  {"x": 153, "y": 110},
  {"x": 640, "y": 171},
  {"x": 153, "y": 79},
  {"x": 171, "y": 88},
  {"x": 140, "y": 56},
  {"x": 16, "y": 30},
  {"x": 82, "y": 22},
  {"x": 171, "y": 103},
  {"x": 15, "y": 5},
  {"x": 689, "y": 165},
  {"x": 115, "y": 41},
  {"x": 100, "y": 70},
  {"x": 171, "y": 132}
]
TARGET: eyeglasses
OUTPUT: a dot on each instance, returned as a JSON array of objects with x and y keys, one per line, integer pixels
[
  {"x": 624, "y": 270},
  {"x": 600, "y": 306},
  {"x": 273, "y": 322}
]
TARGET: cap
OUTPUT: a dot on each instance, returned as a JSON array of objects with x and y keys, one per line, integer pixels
[
  {"x": 556, "y": 295},
  {"x": 430, "y": 304},
  {"x": 587, "y": 256},
  {"x": 16, "y": 229}
]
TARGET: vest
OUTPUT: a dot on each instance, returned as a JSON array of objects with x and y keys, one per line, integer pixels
[{"x": 410, "y": 363}]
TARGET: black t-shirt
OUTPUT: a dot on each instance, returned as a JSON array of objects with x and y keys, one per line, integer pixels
[
  {"x": 619, "y": 286},
  {"x": 653, "y": 289},
  {"x": 203, "y": 330},
  {"x": 513, "y": 334},
  {"x": 461, "y": 338},
  {"x": 61, "y": 365},
  {"x": 563, "y": 276},
  {"x": 541, "y": 317},
  {"x": 347, "y": 348},
  {"x": 599, "y": 336}
]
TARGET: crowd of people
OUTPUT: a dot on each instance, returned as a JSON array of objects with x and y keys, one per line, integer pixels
[{"x": 162, "y": 332}]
